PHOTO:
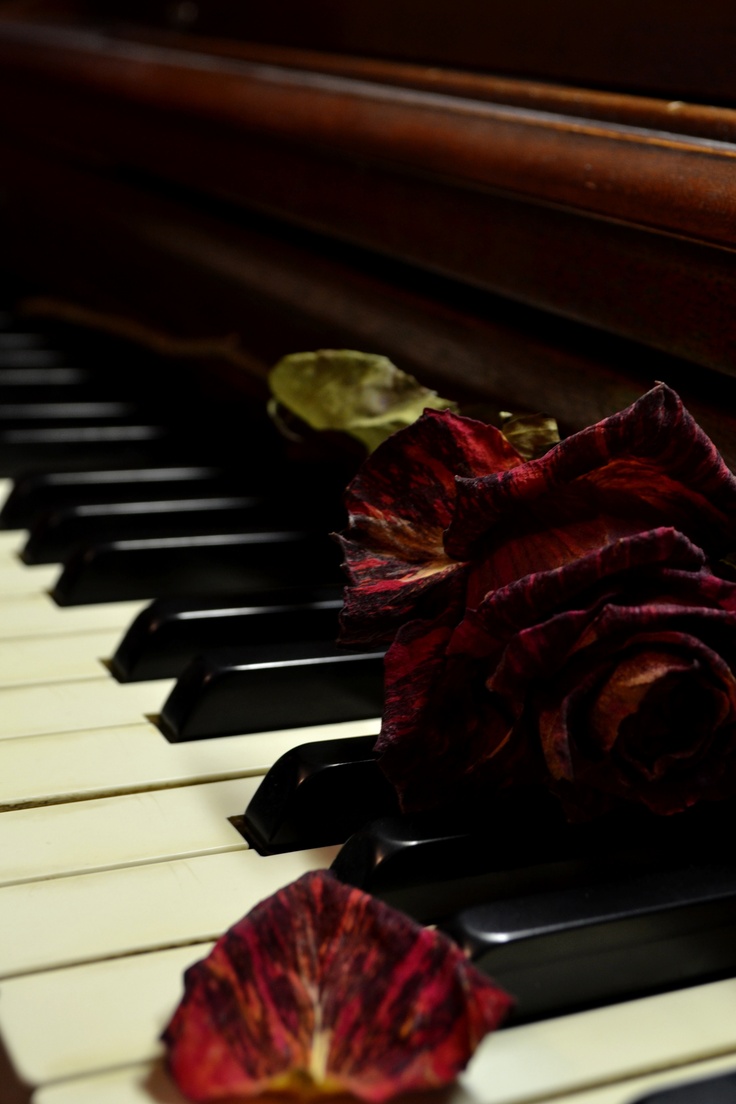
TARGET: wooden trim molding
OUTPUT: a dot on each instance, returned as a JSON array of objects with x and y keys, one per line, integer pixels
[{"x": 660, "y": 178}]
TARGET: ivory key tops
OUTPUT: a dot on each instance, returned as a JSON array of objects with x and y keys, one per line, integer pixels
[{"x": 570, "y": 1059}]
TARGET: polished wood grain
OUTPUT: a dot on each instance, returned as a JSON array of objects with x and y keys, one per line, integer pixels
[
  {"x": 618, "y": 225},
  {"x": 670, "y": 47}
]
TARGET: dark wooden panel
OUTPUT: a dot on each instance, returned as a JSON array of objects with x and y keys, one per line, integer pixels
[
  {"x": 674, "y": 48},
  {"x": 660, "y": 178},
  {"x": 628, "y": 229}
]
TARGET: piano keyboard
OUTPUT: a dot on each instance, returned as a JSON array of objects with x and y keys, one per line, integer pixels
[{"x": 119, "y": 866}]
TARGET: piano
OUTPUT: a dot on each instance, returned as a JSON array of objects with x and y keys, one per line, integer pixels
[{"x": 525, "y": 208}]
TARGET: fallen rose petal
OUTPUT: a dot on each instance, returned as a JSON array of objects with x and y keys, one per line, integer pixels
[{"x": 324, "y": 988}]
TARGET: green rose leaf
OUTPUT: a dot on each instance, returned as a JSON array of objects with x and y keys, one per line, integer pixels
[{"x": 362, "y": 394}]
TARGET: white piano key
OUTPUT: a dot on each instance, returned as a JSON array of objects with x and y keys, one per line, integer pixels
[
  {"x": 84, "y": 836},
  {"x": 590, "y": 1049},
  {"x": 85, "y": 1020},
  {"x": 63, "y": 921},
  {"x": 17, "y": 579},
  {"x": 150, "y": 1084},
  {"x": 11, "y": 541},
  {"x": 143, "y": 1084},
  {"x": 630, "y": 1091},
  {"x": 75, "y": 706},
  {"x": 96, "y": 763},
  {"x": 38, "y": 615},
  {"x": 62, "y": 658}
]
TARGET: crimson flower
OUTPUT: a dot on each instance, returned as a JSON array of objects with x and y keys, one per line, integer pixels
[{"x": 550, "y": 620}]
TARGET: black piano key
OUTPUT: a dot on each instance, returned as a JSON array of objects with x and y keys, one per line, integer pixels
[
  {"x": 274, "y": 686},
  {"x": 23, "y": 450},
  {"x": 42, "y": 492},
  {"x": 212, "y": 564},
  {"x": 44, "y": 414},
  {"x": 20, "y": 385},
  {"x": 38, "y": 380},
  {"x": 432, "y": 865},
  {"x": 606, "y": 941},
  {"x": 54, "y": 536},
  {"x": 30, "y": 357},
  {"x": 317, "y": 794},
  {"x": 170, "y": 632},
  {"x": 11, "y": 339},
  {"x": 406, "y": 861},
  {"x": 711, "y": 1090}
]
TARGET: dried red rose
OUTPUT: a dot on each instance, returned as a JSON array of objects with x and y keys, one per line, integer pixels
[
  {"x": 322, "y": 987},
  {"x": 633, "y": 698},
  {"x": 561, "y": 679},
  {"x": 599, "y": 521},
  {"x": 650, "y": 465}
]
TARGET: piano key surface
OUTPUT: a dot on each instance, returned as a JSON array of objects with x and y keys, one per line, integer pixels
[
  {"x": 37, "y": 615},
  {"x": 149, "y": 1082},
  {"x": 82, "y": 836},
  {"x": 63, "y": 657},
  {"x": 81, "y": 918},
  {"x": 571, "y": 1057},
  {"x": 120, "y": 865},
  {"x": 70, "y": 766}
]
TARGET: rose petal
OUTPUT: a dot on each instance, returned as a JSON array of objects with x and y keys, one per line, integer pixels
[
  {"x": 323, "y": 987},
  {"x": 374, "y": 610},
  {"x": 442, "y": 731},
  {"x": 637, "y": 703},
  {"x": 669, "y": 749},
  {"x": 448, "y": 718},
  {"x": 666, "y": 667},
  {"x": 399, "y": 504},
  {"x": 537, "y": 596},
  {"x": 647, "y": 465}
]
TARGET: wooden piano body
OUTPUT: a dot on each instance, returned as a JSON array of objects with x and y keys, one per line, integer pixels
[{"x": 530, "y": 211}]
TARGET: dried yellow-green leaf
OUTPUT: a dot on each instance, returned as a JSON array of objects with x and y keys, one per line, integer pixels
[
  {"x": 362, "y": 394},
  {"x": 530, "y": 434}
]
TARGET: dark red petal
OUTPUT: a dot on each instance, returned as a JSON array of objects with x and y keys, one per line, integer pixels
[
  {"x": 398, "y": 593},
  {"x": 533, "y": 598},
  {"x": 664, "y": 668},
  {"x": 542, "y": 650},
  {"x": 643, "y": 709},
  {"x": 652, "y": 454},
  {"x": 673, "y": 747},
  {"x": 399, "y": 504},
  {"x": 442, "y": 732},
  {"x": 324, "y": 988}
]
